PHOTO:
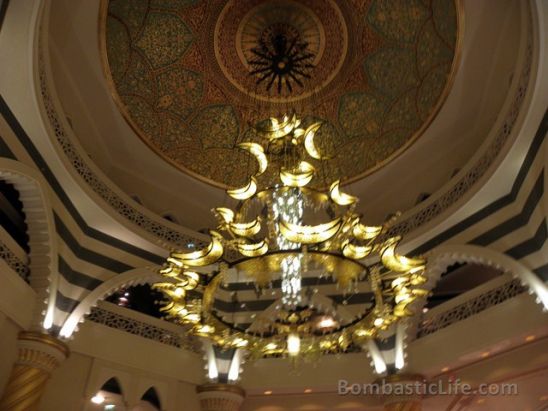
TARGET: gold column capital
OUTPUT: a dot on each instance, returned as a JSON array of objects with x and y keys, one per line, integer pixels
[
  {"x": 46, "y": 339},
  {"x": 38, "y": 355}
]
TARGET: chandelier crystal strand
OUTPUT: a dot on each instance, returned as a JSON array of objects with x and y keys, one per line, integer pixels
[{"x": 288, "y": 205}]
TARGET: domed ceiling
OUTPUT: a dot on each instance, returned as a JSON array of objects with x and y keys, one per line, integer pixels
[{"x": 192, "y": 77}]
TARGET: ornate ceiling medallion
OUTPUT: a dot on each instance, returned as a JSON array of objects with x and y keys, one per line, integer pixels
[
  {"x": 281, "y": 59},
  {"x": 293, "y": 36}
]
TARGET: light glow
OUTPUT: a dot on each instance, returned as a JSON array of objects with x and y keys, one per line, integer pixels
[
  {"x": 399, "y": 360},
  {"x": 244, "y": 192},
  {"x": 252, "y": 250},
  {"x": 246, "y": 229},
  {"x": 98, "y": 399},
  {"x": 310, "y": 234},
  {"x": 288, "y": 206},
  {"x": 378, "y": 361},
  {"x": 257, "y": 151},
  {"x": 293, "y": 344},
  {"x": 200, "y": 258},
  {"x": 327, "y": 322},
  {"x": 309, "y": 145},
  {"x": 212, "y": 370},
  {"x": 234, "y": 371},
  {"x": 298, "y": 177},
  {"x": 339, "y": 197}
]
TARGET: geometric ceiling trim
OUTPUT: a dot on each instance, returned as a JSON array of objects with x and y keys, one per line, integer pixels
[
  {"x": 167, "y": 63},
  {"x": 127, "y": 210}
]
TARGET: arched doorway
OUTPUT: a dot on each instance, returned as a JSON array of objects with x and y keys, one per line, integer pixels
[
  {"x": 109, "y": 398},
  {"x": 150, "y": 401}
]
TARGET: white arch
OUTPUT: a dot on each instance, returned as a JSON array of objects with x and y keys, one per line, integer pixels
[
  {"x": 34, "y": 194},
  {"x": 445, "y": 255},
  {"x": 131, "y": 277}
]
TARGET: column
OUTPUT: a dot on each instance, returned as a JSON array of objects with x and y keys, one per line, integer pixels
[
  {"x": 38, "y": 355},
  {"x": 220, "y": 397},
  {"x": 403, "y": 392}
]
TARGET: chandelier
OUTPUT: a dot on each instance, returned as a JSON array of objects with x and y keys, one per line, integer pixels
[{"x": 288, "y": 225}]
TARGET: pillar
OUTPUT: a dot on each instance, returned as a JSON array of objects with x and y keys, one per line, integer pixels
[
  {"x": 220, "y": 397},
  {"x": 38, "y": 355},
  {"x": 403, "y": 392}
]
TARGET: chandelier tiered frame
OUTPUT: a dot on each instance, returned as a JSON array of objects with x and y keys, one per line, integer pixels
[{"x": 341, "y": 246}]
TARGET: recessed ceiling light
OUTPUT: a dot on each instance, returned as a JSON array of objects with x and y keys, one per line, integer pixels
[
  {"x": 530, "y": 338},
  {"x": 268, "y": 392},
  {"x": 308, "y": 391},
  {"x": 485, "y": 354},
  {"x": 445, "y": 369},
  {"x": 425, "y": 310}
]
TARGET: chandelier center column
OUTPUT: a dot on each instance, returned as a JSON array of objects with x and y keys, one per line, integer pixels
[
  {"x": 38, "y": 356},
  {"x": 220, "y": 397}
]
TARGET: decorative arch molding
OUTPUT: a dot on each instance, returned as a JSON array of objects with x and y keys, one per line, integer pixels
[
  {"x": 109, "y": 287},
  {"x": 446, "y": 255},
  {"x": 44, "y": 276}
]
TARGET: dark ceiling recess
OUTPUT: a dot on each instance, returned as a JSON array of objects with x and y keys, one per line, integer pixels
[
  {"x": 141, "y": 298},
  {"x": 12, "y": 217},
  {"x": 458, "y": 279}
]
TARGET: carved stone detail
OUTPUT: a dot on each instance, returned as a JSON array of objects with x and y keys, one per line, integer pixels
[{"x": 143, "y": 329}]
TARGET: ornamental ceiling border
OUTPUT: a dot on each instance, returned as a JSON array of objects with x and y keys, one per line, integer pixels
[
  {"x": 126, "y": 207},
  {"x": 15, "y": 263}
]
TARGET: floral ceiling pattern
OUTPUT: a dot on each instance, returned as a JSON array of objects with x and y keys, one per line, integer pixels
[{"x": 179, "y": 71}]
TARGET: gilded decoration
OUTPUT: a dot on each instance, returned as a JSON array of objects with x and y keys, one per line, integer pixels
[{"x": 180, "y": 73}]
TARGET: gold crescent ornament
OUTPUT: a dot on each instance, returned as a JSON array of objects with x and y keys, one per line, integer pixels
[{"x": 244, "y": 192}]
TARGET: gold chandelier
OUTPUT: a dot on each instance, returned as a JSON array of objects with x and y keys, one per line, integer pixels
[{"x": 284, "y": 226}]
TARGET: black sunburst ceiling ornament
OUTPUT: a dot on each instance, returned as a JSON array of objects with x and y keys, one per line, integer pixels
[{"x": 281, "y": 59}]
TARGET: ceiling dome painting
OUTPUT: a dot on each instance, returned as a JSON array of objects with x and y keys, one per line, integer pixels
[{"x": 192, "y": 76}]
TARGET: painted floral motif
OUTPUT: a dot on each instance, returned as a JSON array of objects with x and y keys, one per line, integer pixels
[
  {"x": 171, "y": 80},
  {"x": 164, "y": 39}
]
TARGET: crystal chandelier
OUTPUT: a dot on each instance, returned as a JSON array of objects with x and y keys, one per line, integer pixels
[{"x": 284, "y": 228}]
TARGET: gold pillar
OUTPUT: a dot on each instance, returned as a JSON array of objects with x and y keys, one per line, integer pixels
[
  {"x": 403, "y": 392},
  {"x": 220, "y": 397},
  {"x": 38, "y": 355}
]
